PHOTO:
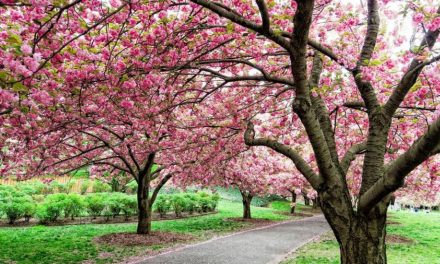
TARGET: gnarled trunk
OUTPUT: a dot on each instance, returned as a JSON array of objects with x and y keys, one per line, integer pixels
[
  {"x": 361, "y": 237},
  {"x": 293, "y": 204},
  {"x": 247, "y": 199}
]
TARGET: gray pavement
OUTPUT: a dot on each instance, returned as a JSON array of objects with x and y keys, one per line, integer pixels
[{"x": 260, "y": 246}]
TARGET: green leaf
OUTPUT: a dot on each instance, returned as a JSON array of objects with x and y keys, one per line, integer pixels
[{"x": 19, "y": 87}]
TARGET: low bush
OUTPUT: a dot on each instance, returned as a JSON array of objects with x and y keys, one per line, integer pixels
[
  {"x": 16, "y": 207},
  {"x": 95, "y": 204},
  {"x": 115, "y": 204},
  {"x": 73, "y": 205},
  {"x": 129, "y": 205},
  {"x": 162, "y": 205},
  {"x": 178, "y": 204}
]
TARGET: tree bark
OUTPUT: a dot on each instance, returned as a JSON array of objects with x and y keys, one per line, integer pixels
[
  {"x": 293, "y": 204},
  {"x": 306, "y": 199},
  {"x": 361, "y": 237},
  {"x": 144, "y": 207},
  {"x": 247, "y": 199}
]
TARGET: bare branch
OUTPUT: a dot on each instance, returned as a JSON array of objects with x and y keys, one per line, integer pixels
[{"x": 351, "y": 155}]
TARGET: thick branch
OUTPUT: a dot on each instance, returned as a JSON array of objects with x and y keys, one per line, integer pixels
[
  {"x": 159, "y": 186},
  {"x": 351, "y": 155},
  {"x": 264, "y": 14},
  {"x": 315, "y": 180},
  {"x": 423, "y": 148},
  {"x": 225, "y": 12},
  {"x": 410, "y": 77},
  {"x": 372, "y": 33}
]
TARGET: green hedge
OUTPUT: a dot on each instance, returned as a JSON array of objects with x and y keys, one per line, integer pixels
[
  {"x": 28, "y": 200},
  {"x": 186, "y": 202}
]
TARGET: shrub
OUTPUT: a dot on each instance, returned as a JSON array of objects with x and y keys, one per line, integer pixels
[
  {"x": 15, "y": 207},
  {"x": 52, "y": 208},
  {"x": 129, "y": 205},
  {"x": 192, "y": 202},
  {"x": 95, "y": 204},
  {"x": 73, "y": 205},
  {"x": 115, "y": 203},
  {"x": 44, "y": 214},
  {"x": 100, "y": 187},
  {"x": 178, "y": 203},
  {"x": 29, "y": 209},
  {"x": 162, "y": 205}
]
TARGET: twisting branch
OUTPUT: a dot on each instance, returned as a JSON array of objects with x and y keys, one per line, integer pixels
[
  {"x": 228, "y": 13},
  {"x": 351, "y": 155},
  {"x": 249, "y": 137},
  {"x": 423, "y": 148}
]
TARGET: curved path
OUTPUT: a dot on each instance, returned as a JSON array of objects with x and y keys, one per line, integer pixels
[{"x": 259, "y": 246}]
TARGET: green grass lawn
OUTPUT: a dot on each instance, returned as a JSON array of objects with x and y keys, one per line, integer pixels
[
  {"x": 73, "y": 244},
  {"x": 423, "y": 228}
]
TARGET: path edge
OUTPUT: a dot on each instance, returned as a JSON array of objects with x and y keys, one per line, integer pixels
[{"x": 139, "y": 261}]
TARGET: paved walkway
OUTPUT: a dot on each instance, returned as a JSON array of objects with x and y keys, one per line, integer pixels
[{"x": 259, "y": 246}]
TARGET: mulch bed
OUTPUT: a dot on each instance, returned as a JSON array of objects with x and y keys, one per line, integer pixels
[
  {"x": 398, "y": 239},
  {"x": 133, "y": 239}
]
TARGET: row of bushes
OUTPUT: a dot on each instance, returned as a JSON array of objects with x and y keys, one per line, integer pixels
[
  {"x": 16, "y": 205},
  {"x": 186, "y": 202}
]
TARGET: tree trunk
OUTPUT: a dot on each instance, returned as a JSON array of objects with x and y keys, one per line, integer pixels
[
  {"x": 144, "y": 207},
  {"x": 306, "y": 199},
  {"x": 361, "y": 238},
  {"x": 247, "y": 199},
  {"x": 293, "y": 204},
  {"x": 315, "y": 203}
]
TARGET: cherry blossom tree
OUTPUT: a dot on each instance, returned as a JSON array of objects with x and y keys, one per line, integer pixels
[
  {"x": 355, "y": 87},
  {"x": 339, "y": 88}
]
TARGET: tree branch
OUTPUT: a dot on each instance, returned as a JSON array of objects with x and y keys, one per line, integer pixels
[
  {"x": 412, "y": 74},
  {"x": 423, "y": 148},
  {"x": 159, "y": 186},
  {"x": 249, "y": 137},
  {"x": 264, "y": 14},
  {"x": 351, "y": 155},
  {"x": 233, "y": 16}
]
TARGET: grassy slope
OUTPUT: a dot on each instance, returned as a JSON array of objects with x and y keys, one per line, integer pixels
[
  {"x": 423, "y": 228},
  {"x": 73, "y": 244}
]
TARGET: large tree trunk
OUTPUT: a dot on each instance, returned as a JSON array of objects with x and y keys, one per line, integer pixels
[
  {"x": 361, "y": 238},
  {"x": 144, "y": 207},
  {"x": 293, "y": 204},
  {"x": 247, "y": 199}
]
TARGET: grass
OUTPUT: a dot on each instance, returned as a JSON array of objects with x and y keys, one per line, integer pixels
[
  {"x": 423, "y": 228},
  {"x": 73, "y": 244}
]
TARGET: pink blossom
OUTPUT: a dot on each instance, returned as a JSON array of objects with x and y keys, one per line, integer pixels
[{"x": 127, "y": 104}]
